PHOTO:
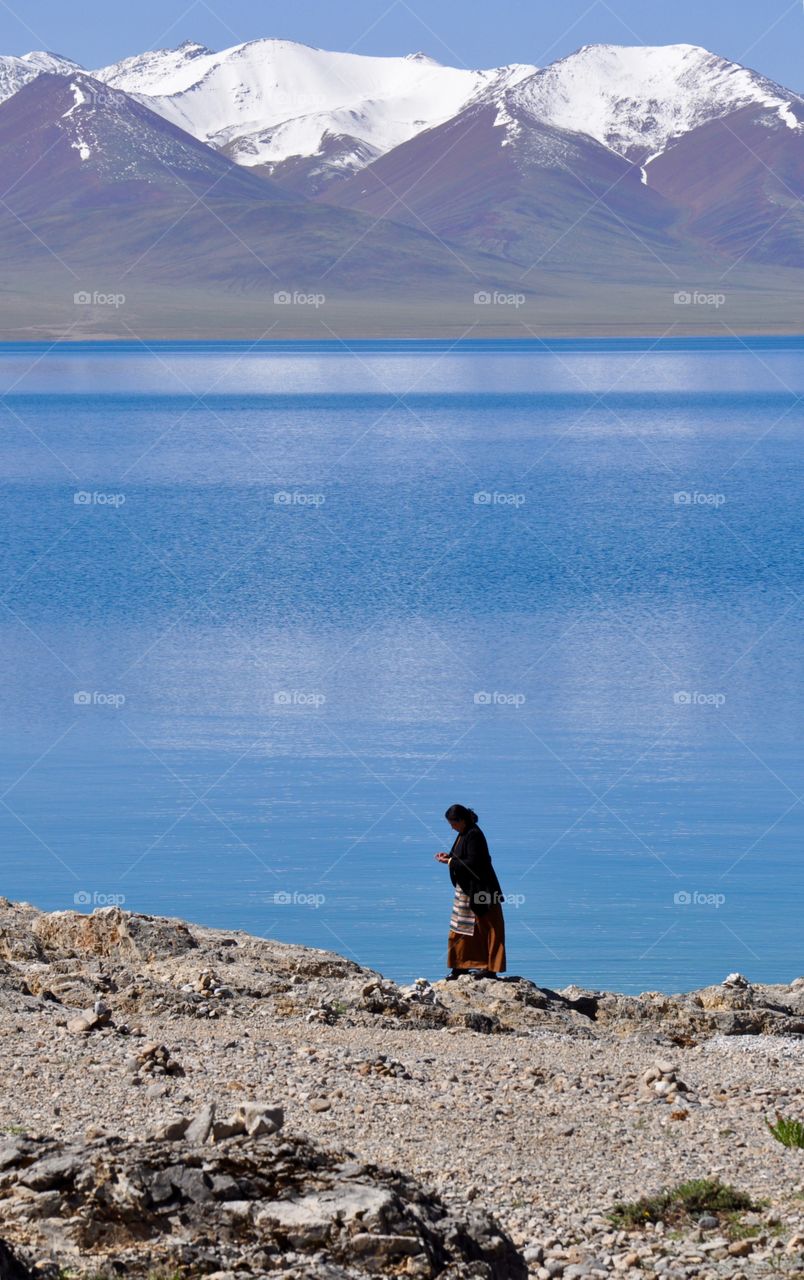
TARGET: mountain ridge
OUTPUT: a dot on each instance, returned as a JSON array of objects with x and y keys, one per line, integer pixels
[
  {"x": 267, "y": 102},
  {"x": 507, "y": 197}
]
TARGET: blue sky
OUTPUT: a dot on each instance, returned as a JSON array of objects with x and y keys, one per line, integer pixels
[{"x": 766, "y": 34}]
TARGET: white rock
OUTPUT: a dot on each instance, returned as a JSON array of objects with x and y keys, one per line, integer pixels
[
  {"x": 260, "y": 1118},
  {"x": 736, "y": 980}
]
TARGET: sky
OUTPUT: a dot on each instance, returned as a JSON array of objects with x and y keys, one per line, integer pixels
[{"x": 766, "y": 35}]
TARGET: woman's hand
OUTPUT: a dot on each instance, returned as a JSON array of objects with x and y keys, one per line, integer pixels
[{"x": 442, "y": 857}]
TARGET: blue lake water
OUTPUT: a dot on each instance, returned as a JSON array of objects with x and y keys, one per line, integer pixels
[{"x": 266, "y": 612}]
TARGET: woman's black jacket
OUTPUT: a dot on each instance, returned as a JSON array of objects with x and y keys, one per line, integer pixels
[{"x": 470, "y": 869}]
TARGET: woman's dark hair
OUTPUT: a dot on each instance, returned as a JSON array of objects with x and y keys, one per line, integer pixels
[{"x": 459, "y": 813}]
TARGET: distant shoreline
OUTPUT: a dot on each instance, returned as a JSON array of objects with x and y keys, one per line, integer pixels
[{"x": 559, "y": 341}]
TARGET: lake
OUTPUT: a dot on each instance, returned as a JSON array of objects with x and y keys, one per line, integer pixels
[{"x": 268, "y": 610}]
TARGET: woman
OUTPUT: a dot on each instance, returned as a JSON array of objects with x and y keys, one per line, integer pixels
[{"x": 477, "y": 928}]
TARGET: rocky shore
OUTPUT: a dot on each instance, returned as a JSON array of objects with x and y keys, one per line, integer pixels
[{"x": 180, "y": 1101}]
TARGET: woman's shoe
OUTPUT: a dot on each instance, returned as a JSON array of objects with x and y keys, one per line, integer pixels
[
  {"x": 453, "y": 975},
  {"x": 484, "y": 973}
]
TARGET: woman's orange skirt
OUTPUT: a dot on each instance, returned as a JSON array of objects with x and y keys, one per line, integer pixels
[{"x": 485, "y": 949}]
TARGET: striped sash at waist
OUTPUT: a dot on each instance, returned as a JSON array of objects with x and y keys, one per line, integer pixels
[{"x": 463, "y": 917}]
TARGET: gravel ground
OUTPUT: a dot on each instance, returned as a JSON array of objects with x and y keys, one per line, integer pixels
[{"x": 545, "y": 1128}]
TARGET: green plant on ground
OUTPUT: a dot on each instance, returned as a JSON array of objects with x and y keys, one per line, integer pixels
[
  {"x": 680, "y": 1204},
  {"x": 789, "y": 1132},
  {"x": 736, "y": 1229}
]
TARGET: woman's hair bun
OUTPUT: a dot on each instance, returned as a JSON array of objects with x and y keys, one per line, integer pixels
[{"x": 460, "y": 813}]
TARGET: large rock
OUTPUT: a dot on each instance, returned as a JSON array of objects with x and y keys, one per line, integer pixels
[
  {"x": 112, "y": 932},
  {"x": 151, "y": 1207},
  {"x": 510, "y": 1004},
  {"x": 17, "y": 939},
  {"x": 698, "y": 1015},
  {"x": 260, "y": 1118}
]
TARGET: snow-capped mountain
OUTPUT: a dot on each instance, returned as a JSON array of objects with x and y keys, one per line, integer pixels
[
  {"x": 268, "y": 102},
  {"x": 15, "y": 72},
  {"x": 72, "y": 143},
  {"x": 312, "y": 118},
  {"x": 490, "y": 180},
  {"x": 604, "y": 161},
  {"x": 632, "y": 166},
  {"x": 98, "y": 184},
  {"x": 638, "y": 100}
]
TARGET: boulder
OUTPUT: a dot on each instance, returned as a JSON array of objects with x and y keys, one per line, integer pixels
[
  {"x": 112, "y": 932},
  {"x": 89, "y": 1019},
  {"x": 171, "y": 1130},
  {"x": 259, "y": 1118},
  {"x": 154, "y": 1207},
  {"x": 200, "y": 1127}
]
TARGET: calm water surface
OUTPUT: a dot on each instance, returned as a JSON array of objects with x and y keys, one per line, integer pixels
[{"x": 265, "y": 613}]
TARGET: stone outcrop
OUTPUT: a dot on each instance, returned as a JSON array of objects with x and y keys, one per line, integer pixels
[
  {"x": 256, "y": 1203},
  {"x": 146, "y": 964}
]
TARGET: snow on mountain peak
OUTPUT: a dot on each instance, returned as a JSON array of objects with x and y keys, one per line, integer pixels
[
  {"x": 45, "y": 60},
  {"x": 16, "y": 72},
  {"x": 635, "y": 100},
  {"x": 268, "y": 101}
]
